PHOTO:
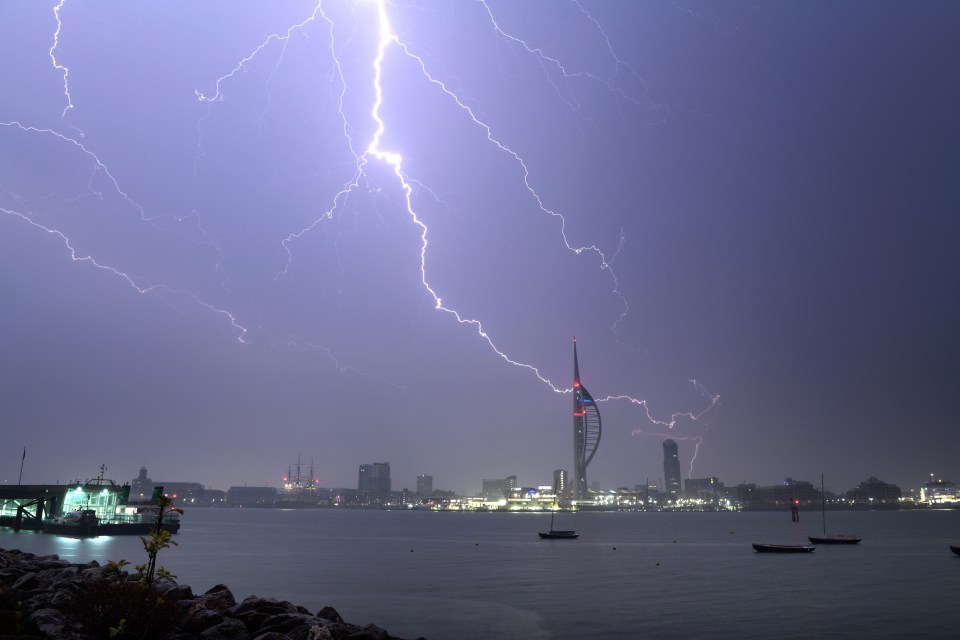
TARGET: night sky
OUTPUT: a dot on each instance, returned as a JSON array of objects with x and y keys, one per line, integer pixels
[{"x": 232, "y": 234}]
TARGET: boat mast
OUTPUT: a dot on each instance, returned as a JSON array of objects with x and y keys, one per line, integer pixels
[{"x": 823, "y": 505}]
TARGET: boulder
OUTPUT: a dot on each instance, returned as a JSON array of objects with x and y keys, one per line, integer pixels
[
  {"x": 49, "y": 622},
  {"x": 26, "y": 582},
  {"x": 229, "y": 629},
  {"x": 287, "y": 622},
  {"x": 329, "y": 613},
  {"x": 370, "y": 632},
  {"x": 198, "y": 619},
  {"x": 219, "y": 598}
]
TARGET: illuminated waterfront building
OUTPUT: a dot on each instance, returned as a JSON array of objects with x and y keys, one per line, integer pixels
[
  {"x": 586, "y": 430},
  {"x": 671, "y": 470},
  {"x": 702, "y": 488}
]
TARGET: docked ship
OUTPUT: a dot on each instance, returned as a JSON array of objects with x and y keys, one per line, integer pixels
[
  {"x": 101, "y": 507},
  {"x": 97, "y": 507},
  {"x": 299, "y": 491}
]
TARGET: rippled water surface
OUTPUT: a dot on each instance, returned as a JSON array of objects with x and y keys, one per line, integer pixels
[{"x": 629, "y": 575}]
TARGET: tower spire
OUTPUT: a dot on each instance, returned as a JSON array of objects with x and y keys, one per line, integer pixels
[
  {"x": 576, "y": 366},
  {"x": 586, "y": 430}
]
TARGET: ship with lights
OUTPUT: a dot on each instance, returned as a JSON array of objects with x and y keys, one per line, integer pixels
[{"x": 299, "y": 490}]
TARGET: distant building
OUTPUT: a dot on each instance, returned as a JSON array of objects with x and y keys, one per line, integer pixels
[
  {"x": 790, "y": 491},
  {"x": 875, "y": 491},
  {"x": 251, "y": 496},
  {"x": 671, "y": 470},
  {"x": 560, "y": 482},
  {"x": 424, "y": 485},
  {"x": 707, "y": 489},
  {"x": 745, "y": 494},
  {"x": 182, "y": 491},
  {"x": 647, "y": 493},
  {"x": 498, "y": 489},
  {"x": 373, "y": 481},
  {"x": 141, "y": 488}
]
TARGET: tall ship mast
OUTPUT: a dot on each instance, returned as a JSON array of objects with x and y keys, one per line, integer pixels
[{"x": 298, "y": 491}]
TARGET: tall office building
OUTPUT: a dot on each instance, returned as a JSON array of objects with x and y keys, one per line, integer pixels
[
  {"x": 374, "y": 480},
  {"x": 586, "y": 430},
  {"x": 424, "y": 485},
  {"x": 560, "y": 482},
  {"x": 671, "y": 470}
]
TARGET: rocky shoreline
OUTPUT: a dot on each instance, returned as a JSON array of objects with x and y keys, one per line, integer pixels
[{"x": 46, "y": 597}]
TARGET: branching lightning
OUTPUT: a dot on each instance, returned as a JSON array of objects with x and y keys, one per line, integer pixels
[
  {"x": 702, "y": 417},
  {"x": 389, "y": 40},
  {"x": 558, "y": 73},
  {"x": 158, "y": 289}
]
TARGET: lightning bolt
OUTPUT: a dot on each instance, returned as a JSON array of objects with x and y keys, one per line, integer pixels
[
  {"x": 704, "y": 417},
  {"x": 160, "y": 290},
  {"x": 62, "y": 68},
  {"x": 389, "y": 41},
  {"x": 608, "y": 81}
]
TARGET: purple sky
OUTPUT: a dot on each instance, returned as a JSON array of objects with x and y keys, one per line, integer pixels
[{"x": 210, "y": 263}]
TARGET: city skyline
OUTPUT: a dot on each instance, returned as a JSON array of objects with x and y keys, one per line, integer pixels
[
  {"x": 368, "y": 231},
  {"x": 374, "y": 479}
]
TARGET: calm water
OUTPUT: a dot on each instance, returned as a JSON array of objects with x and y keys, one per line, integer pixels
[{"x": 630, "y": 575}]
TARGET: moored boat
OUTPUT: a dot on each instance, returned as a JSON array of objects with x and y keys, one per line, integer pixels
[
  {"x": 830, "y": 538},
  {"x": 835, "y": 538},
  {"x": 782, "y": 548},
  {"x": 558, "y": 534},
  {"x": 955, "y": 549}
]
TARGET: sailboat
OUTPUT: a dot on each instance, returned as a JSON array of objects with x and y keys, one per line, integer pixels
[
  {"x": 558, "y": 534},
  {"x": 830, "y": 538}
]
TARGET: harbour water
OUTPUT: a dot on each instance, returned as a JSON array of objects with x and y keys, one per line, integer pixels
[{"x": 629, "y": 575}]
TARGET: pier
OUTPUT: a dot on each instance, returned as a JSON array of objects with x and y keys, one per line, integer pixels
[{"x": 24, "y": 506}]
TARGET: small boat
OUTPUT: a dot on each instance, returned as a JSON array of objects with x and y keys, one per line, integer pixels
[
  {"x": 835, "y": 538},
  {"x": 955, "y": 549},
  {"x": 558, "y": 534},
  {"x": 830, "y": 538},
  {"x": 782, "y": 548}
]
